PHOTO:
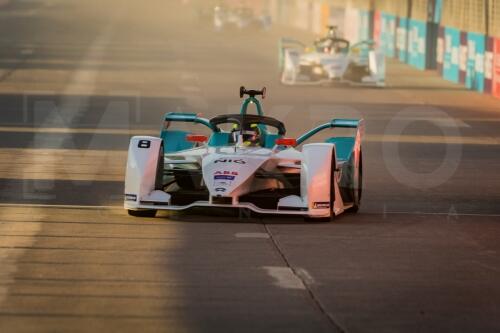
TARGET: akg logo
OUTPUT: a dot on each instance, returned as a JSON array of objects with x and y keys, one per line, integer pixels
[{"x": 225, "y": 160}]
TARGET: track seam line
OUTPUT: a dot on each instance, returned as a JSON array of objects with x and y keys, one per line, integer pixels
[{"x": 316, "y": 301}]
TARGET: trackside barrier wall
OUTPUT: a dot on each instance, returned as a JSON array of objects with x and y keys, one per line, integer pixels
[
  {"x": 451, "y": 50},
  {"x": 496, "y": 68},
  {"x": 431, "y": 40},
  {"x": 449, "y": 37},
  {"x": 377, "y": 27},
  {"x": 488, "y": 65},
  {"x": 388, "y": 34},
  {"x": 440, "y": 51},
  {"x": 402, "y": 39},
  {"x": 476, "y": 48},
  {"x": 416, "y": 43},
  {"x": 462, "y": 57},
  {"x": 364, "y": 26}
]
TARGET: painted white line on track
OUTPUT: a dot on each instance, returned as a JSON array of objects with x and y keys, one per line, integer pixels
[
  {"x": 190, "y": 89},
  {"x": 9, "y": 256},
  {"x": 26, "y": 52},
  {"x": 243, "y": 234},
  {"x": 437, "y": 213},
  {"x": 305, "y": 276},
  {"x": 440, "y": 139},
  {"x": 18, "y": 205},
  {"x": 252, "y": 235},
  {"x": 66, "y": 130},
  {"x": 453, "y": 123},
  {"x": 284, "y": 277}
]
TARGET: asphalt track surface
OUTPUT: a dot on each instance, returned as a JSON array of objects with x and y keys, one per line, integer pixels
[{"x": 78, "y": 78}]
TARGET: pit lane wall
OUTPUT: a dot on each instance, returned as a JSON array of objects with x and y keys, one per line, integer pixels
[{"x": 460, "y": 39}]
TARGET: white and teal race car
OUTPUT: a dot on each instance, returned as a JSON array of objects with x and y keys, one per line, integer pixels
[
  {"x": 331, "y": 59},
  {"x": 246, "y": 162}
]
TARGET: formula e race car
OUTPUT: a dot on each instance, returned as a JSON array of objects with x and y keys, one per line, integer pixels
[
  {"x": 331, "y": 59},
  {"x": 246, "y": 163}
]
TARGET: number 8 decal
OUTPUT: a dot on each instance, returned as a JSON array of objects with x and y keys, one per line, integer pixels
[{"x": 144, "y": 144}]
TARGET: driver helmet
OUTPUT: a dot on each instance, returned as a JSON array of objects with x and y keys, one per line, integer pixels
[{"x": 251, "y": 136}]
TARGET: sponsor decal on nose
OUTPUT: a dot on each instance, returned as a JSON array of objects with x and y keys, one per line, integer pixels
[
  {"x": 228, "y": 160},
  {"x": 224, "y": 177}
]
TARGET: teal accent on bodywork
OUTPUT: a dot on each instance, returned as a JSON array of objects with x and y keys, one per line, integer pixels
[
  {"x": 335, "y": 123},
  {"x": 248, "y": 101},
  {"x": 175, "y": 141},
  {"x": 343, "y": 147},
  {"x": 188, "y": 117},
  {"x": 270, "y": 140},
  {"x": 219, "y": 139},
  {"x": 345, "y": 123}
]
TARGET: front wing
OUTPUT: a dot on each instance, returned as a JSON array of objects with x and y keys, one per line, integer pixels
[{"x": 241, "y": 205}]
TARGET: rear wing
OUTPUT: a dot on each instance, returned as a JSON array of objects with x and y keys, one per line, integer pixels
[
  {"x": 284, "y": 42},
  {"x": 358, "y": 124}
]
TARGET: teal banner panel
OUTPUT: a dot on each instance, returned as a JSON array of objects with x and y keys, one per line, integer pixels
[
  {"x": 417, "y": 43},
  {"x": 388, "y": 34},
  {"x": 451, "y": 54},
  {"x": 402, "y": 39},
  {"x": 476, "y": 46},
  {"x": 364, "y": 25}
]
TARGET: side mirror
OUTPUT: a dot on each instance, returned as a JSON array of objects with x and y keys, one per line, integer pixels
[
  {"x": 286, "y": 142},
  {"x": 196, "y": 138}
]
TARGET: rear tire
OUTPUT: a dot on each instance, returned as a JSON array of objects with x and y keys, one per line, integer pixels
[{"x": 160, "y": 169}]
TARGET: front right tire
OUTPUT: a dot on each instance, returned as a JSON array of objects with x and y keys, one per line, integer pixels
[{"x": 357, "y": 185}]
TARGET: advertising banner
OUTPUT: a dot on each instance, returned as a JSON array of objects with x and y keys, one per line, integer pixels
[
  {"x": 364, "y": 26},
  {"x": 476, "y": 48},
  {"x": 463, "y": 57},
  {"x": 377, "y": 27},
  {"x": 440, "y": 51},
  {"x": 451, "y": 54},
  {"x": 416, "y": 43},
  {"x": 388, "y": 34},
  {"x": 401, "y": 39},
  {"x": 496, "y": 69},
  {"x": 488, "y": 65}
]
